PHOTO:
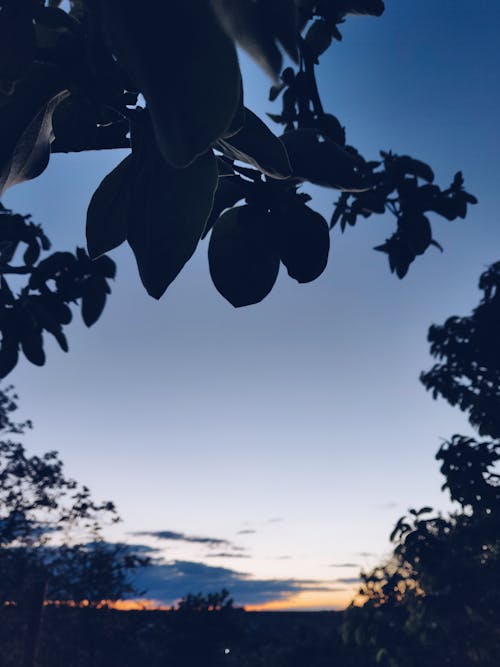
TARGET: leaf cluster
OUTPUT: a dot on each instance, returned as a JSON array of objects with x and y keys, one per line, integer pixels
[
  {"x": 467, "y": 372},
  {"x": 50, "y": 530},
  {"x": 42, "y": 304},
  {"x": 77, "y": 81}
]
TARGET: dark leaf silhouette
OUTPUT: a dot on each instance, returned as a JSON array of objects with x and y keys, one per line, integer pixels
[
  {"x": 93, "y": 299},
  {"x": 303, "y": 243},
  {"x": 257, "y": 25},
  {"x": 27, "y": 126},
  {"x": 107, "y": 215},
  {"x": 323, "y": 162},
  {"x": 257, "y": 145},
  {"x": 190, "y": 106},
  {"x": 243, "y": 262},
  {"x": 165, "y": 220},
  {"x": 52, "y": 283}
]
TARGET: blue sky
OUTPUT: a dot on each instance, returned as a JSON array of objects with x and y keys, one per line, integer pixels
[{"x": 296, "y": 430}]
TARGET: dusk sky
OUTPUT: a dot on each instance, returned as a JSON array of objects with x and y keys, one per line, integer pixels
[{"x": 289, "y": 435}]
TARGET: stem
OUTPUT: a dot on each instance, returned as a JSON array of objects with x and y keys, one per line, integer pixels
[
  {"x": 20, "y": 270},
  {"x": 309, "y": 63}
]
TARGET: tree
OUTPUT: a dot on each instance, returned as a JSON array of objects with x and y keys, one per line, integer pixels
[
  {"x": 200, "y": 161},
  {"x": 436, "y": 601},
  {"x": 468, "y": 370},
  {"x": 51, "y": 529}
]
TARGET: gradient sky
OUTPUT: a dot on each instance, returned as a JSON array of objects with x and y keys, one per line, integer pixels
[{"x": 295, "y": 430}]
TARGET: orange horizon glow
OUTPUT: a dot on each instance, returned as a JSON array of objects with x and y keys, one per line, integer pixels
[
  {"x": 302, "y": 601},
  {"x": 308, "y": 601}
]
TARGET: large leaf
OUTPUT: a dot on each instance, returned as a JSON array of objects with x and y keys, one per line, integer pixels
[
  {"x": 107, "y": 214},
  {"x": 243, "y": 262},
  {"x": 322, "y": 162},
  {"x": 184, "y": 64},
  {"x": 303, "y": 242},
  {"x": 245, "y": 21},
  {"x": 257, "y": 145},
  {"x": 168, "y": 211},
  {"x": 26, "y": 125},
  {"x": 257, "y": 24}
]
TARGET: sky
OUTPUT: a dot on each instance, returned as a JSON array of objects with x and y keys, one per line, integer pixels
[{"x": 271, "y": 449}]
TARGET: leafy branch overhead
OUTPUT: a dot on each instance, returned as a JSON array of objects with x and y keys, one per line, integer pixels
[
  {"x": 201, "y": 162},
  {"x": 49, "y": 285}
]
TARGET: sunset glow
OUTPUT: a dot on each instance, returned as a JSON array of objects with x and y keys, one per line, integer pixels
[{"x": 308, "y": 601}]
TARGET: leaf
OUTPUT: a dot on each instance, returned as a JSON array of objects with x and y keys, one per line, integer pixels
[
  {"x": 415, "y": 231},
  {"x": 409, "y": 165},
  {"x": 9, "y": 354},
  {"x": 303, "y": 243},
  {"x": 169, "y": 209},
  {"x": 257, "y": 145},
  {"x": 184, "y": 64},
  {"x": 319, "y": 37},
  {"x": 322, "y": 162},
  {"x": 282, "y": 17},
  {"x": 75, "y": 123},
  {"x": 56, "y": 308},
  {"x": 32, "y": 346},
  {"x": 107, "y": 214},
  {"x": 93, "y": 299},
  {"x": 245, "y": 21},
  {"x": 47, "y": 321},
  {"x": 243, "y": 262},
  {"x": 26, "y": 125}
]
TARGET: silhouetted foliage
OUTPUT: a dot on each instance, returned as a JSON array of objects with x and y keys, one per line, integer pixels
[
  {"x": 75, "y": 81},
  {"x": 209, "y": 602},
  {"x": 42, "y": 304},
  {"x": 50, "y": 530},
  {"x": 467, "y": 348},
  {"x": 437, "y": 600}
]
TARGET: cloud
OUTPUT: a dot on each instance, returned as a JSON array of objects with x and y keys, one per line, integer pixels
[
  {"x": 276, "y": 519},
  {"x": 173, "y": 536},
  {"x": 366, "y": 554},
  {"x": 166, "y": 582},
  {"x": 344, "y": 565},
  {"x": 348, "y": 580},
  {"x": 247, "y": 531},
  {"x": 390, "y": 505},
  {"x": 227, "y": 554}
]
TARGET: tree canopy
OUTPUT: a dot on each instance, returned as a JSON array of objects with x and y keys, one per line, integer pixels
[
  {"x": 164, "y": 81},
  {"x": 51, "y": 528},
  {"x": 435, "y": 600}
]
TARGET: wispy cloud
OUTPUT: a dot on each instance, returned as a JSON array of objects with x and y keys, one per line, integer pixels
[
  {"x": 344, "y": 565},
  {"x": 173, "y": 536},
  {"x": 348, "y": 580},
  {"x": 247, "y": 531},
  {"x": 390, "y": 505},
  {"x": 227, "y": 554}
]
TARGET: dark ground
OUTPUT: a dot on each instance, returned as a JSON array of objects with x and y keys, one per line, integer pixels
[{"x": 96, "y": 638}]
